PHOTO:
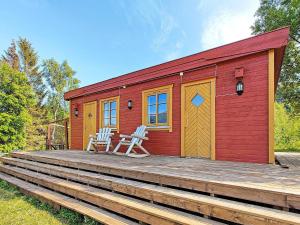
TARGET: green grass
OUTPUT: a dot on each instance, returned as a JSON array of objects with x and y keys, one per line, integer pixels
[
  {"x": 19, "y": 209},
  {"x": 288, "y": 150}
]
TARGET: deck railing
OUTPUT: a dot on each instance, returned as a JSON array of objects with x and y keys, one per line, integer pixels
[{"x": 58, "y": 135}]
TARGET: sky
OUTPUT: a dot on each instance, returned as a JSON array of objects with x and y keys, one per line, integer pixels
[{"x": 102, "y": 39}]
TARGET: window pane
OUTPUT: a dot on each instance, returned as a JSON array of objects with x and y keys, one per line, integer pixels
[
  {"x": 162, "y": 118},
  {"x": 106, "y": 114},
  {"x": 151, "y": 109},
  {"x": 113, "y": 113},
  {"x": 106, "y": 106},
  {"x": 162, "y": 108},
  {"x": 162, "y": 98},
  {"x": 152, "y": 119},
  {"x": 113, "y": 122},
  {"x": 197, "y": 100},
  {"x": 113, "y": 105},
  {"x": 106, "y": 122},
  {"x": 152, "y": 100}
]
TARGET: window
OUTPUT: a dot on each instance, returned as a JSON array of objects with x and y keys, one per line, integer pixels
[
  {"x": 109, "y": 116},
  {"x": 157, "y": 108}
]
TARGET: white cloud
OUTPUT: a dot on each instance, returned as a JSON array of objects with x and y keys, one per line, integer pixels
[
  {"x": 167, "y": 25},
  {"x": 174, "y": 54},
  {"x": 227, "y": 25},
  {"x": 163, "y": 27}
]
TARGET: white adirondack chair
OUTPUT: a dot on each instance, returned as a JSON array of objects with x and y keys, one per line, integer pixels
[
  {"x": 133, "y": 140},
  {"x": 103, "y": 137}
]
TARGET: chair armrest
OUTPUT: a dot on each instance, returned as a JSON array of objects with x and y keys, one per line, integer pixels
[
  {"x": 137, "y": 136},
  {"x": 125, "y": 136},
  {"x": 110, "y": 134}
]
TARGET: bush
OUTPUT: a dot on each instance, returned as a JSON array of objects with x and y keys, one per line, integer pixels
[
  {"x": 16, "y": 96},
  {"x": 287, "y": 129}
]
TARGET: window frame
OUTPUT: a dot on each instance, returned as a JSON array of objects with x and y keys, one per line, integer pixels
[
  {"x": 101, "y": 110},
  {"x": 168, "y": 89}
]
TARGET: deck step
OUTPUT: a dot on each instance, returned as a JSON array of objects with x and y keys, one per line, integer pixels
[
  {"x": 133, "y": 208},
  {"x": 54, "y": 198},
  {"x": 239, "y": 190},
  {"x": 228, "y": 210}
]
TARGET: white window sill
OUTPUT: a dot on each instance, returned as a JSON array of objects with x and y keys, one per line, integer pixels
[{"x": 159, "y": 128}]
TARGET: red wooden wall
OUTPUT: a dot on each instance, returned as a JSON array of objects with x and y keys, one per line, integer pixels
[{"x": 241, "y": 121}]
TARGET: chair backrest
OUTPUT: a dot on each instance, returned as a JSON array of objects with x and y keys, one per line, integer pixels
[
  {"x": 104, "y": 134},
  {"x": 140, "y": 131}
]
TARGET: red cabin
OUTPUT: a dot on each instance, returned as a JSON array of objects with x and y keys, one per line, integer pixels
[{"x": 216, "y": 104}]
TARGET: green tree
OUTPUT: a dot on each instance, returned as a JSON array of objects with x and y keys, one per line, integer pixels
[
  {"x": 48, "y": 85},
  {"x": 287, "y": 129},
  {"x": 273, "y": 14},
  {"x": 60, "y": 78},
  {"x": 29, "y": 65},
  {"x": 11, "y": 56},
  {"x": 16, "y": 96}
]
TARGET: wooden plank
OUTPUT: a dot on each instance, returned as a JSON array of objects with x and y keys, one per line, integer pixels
[
  {"x": 289, "y": 159},
  {"x": 52, "y": 197},
  {"x": 238, "y": 187},
  {"x": 142, "y": 211},
  {"x": 271, "y": 106},
  {"x": 215, "y": 207}
]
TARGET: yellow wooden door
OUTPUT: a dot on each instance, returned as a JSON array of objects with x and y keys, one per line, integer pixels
[
  {"x": 198, "y": 119},
  {"x": 89, "y": 121}
]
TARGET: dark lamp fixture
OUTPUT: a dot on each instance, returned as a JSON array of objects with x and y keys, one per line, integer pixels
[
  {"x": 129, "y": 104},
  {"x": 239, "y": 75},
  {"x": 239, "y": 87},
  {"x": 76, "y": 110}
]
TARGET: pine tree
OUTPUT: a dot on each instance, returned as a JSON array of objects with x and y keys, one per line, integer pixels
[
  {"x": 36, "y": 130},
  {"x": 48, "y": 87},
  {"x": 23, "y": 58},
  {"x": 11, "y": 57},
  {"x": 29, "y": 65}
]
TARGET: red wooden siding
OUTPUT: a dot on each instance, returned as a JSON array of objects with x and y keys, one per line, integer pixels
[{"x": 241, "y": 121}]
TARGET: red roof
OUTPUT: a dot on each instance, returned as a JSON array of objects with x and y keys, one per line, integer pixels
[{"x": 276, "y": 39}]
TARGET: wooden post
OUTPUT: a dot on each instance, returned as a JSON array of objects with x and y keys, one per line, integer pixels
[
  {"x": 48, "y": 140},
  {"x": 66, "y": 134}
]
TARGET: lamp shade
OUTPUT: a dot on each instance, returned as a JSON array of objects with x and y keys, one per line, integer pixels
[{"x": 239, "y": 87}]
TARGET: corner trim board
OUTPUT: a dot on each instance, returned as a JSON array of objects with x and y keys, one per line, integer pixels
[{"x": 271, "y": 96}]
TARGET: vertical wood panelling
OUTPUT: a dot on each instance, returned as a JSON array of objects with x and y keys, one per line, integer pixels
[
  {"x": 242, "y": 121},
  {"x": 271, "y": 76},
  {"x": 196, "y": 120},
  {"x": 89, "y": 121}
]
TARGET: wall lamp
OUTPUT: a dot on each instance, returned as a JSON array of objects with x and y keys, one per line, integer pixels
[
  {"x": 239, "y": 75},
  {"x": 239, "y": 87},
  {"x": 76, "y": 110},
  {"x": 129, "y": 104}
]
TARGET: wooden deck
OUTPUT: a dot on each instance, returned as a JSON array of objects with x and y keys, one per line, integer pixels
[
  {"x": 166, "y": 190},
  {"x": 288, "y": 159}
]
